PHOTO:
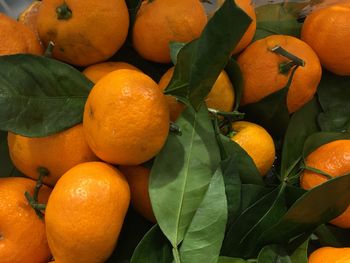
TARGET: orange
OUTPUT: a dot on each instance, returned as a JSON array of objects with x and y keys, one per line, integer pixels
[
  {"x": 22, "y": 232},
  {"x": 330, "y": 255},
  {"x": 262, "y": 76},
  {"x": 17, "y": 38},
  {"x": 85, "y": 213},
  {"x": 57, "y": 153},
  {"x": 159, "y": 22},
  {"x": 330, "y": 43},
  {"x": 248, "y": 7},
  {"x": 126, "y": 118},
  {"x": 257, "y": 142},
  {"x": 97, "y": 71},
  {"x": 29, "y": 16},
  {"x": 221, "y": 97},
  {"x": 334, "y": 159},
  {"x": 84, "y": 31},
  {"x": 138, "y": 179}
]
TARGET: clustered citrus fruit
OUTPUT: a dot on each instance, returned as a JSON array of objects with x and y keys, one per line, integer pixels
[{"x": 96, "y": 168}]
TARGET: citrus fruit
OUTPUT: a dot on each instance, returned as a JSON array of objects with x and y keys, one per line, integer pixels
[
  {"x": 263, "y": 71},
  {"x": 248, "y": 7},
  {"x": 159, "y": 22},
  {"x": 57, "y": 153},
  {"x": 334, "y": 159},
  {"x": 138, "y": 178},
  {"x": 97, "y": 71},
  {"x": 257, "y": 142},
  {"x": 85, "y": 213},
  {"x": 22, "y": 232},
  {"x": 221, "y": 97},
  {"x": 126, "y": 118},
  {"x": 330, "y": 255},
  {"x": 330, "y": 43},
  {"x": 29, "y": 16},
  {"x": 17, "y": 38},
  {"x": 84, "y": 32}
]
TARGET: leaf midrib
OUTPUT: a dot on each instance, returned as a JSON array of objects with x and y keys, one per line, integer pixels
[{"x": 185, "y": 183}]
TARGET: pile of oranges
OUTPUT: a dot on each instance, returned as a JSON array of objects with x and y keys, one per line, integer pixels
[{"x": 97, "y": 167}]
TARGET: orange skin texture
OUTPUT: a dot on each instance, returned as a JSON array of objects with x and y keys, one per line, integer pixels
[
  {"x": 138, "y": 179},
  {"x": 248, "y": 7},
  {"x": 57, "y": 153},
  {"x": 16, "y": 38},
  {"x": 257, "y": 142},
  {"x": 221, "y": 97},
  {"x": 97, "y": 71},
  {"x": 94, "y": 32},
  {"x": 331, "y": 44},
  {"x": 330, "y": 255},
  {"x": 334, "y": 159},
  {"x": 85, "y": 213},
  {"x": 29, "y": 16},
  {"x": 22, "y": 232},
  {"x": 126, "y": 118},
  {"x": 261, "y": 76},
  {"x": 159, "y": 22}
]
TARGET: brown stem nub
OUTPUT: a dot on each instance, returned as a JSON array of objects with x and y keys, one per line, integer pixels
[
  {"x": 285, "y": 67},
  {"x": 63, "y": 12}
]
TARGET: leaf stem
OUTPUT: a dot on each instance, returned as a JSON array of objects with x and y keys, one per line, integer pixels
[
  {"x": 175, "y": 128},
  {"x": 315, "y": 170},
  {"x": 49, "y": 49},
  {"x": 281, "y": 51},
  {"x": 176, "y": 255}
]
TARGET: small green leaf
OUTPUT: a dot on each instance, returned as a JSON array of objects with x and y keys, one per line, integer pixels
[
  {"x": 200, "y": 62},
  {"x": 40, "y": 96},
  {"x": 203, "y": 239},
  {"x": 300, "y": 255},
  {"x": 242, "y": 236},
  {"x": 273, "y": 254},
  {"x": 331, "y": 236},
  {"x": 232, "y": 260},
  {"x": 301, "y": 125},
  {"x": 247, "y": 170},
  {"x": 317, "y": 206},
  {"x": 154, "y": 247},
  {"x": 175, "y": 48},
  {"x": 334, "y": 96},
  {"x": 7, "y": 168},
  {"x": 278, "y": 19},
  {"x": 181, "y": 173},
  {"x": 318, "y": 139}
]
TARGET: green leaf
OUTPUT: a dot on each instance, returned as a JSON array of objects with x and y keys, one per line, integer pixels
[
  {"x": 203, "y": 239},
  {"x": 317, "y": 206},
  {"x": 242, "y": 235},
  {"x": 7, "y": 168},
  {"x": 318, "y": 139},
  {"x": 40, "y": 96},
  {"x": 154, "y": 247},
  {"x": 334, "y": 96},
  {"x": 247, "y": 170},
  {"x": 175, "y": 48},
  {"x": 300, "y": 255},
  {"x": 231, "y": 260},
  {"x": 182, "y": 172},
  {"x": 278, "y": 19},
  {"x": 200, "y": 62},
  {"x": 302, "y": 124},
  {"x": 331, "y": 236},
  {"x": 271, "y": 112},
  {"x": 232, "y": 188},
  {"x": 234, "y": 73},
  {"x": 273, "y": 254},
  {"x": 134, "y": 228}
]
